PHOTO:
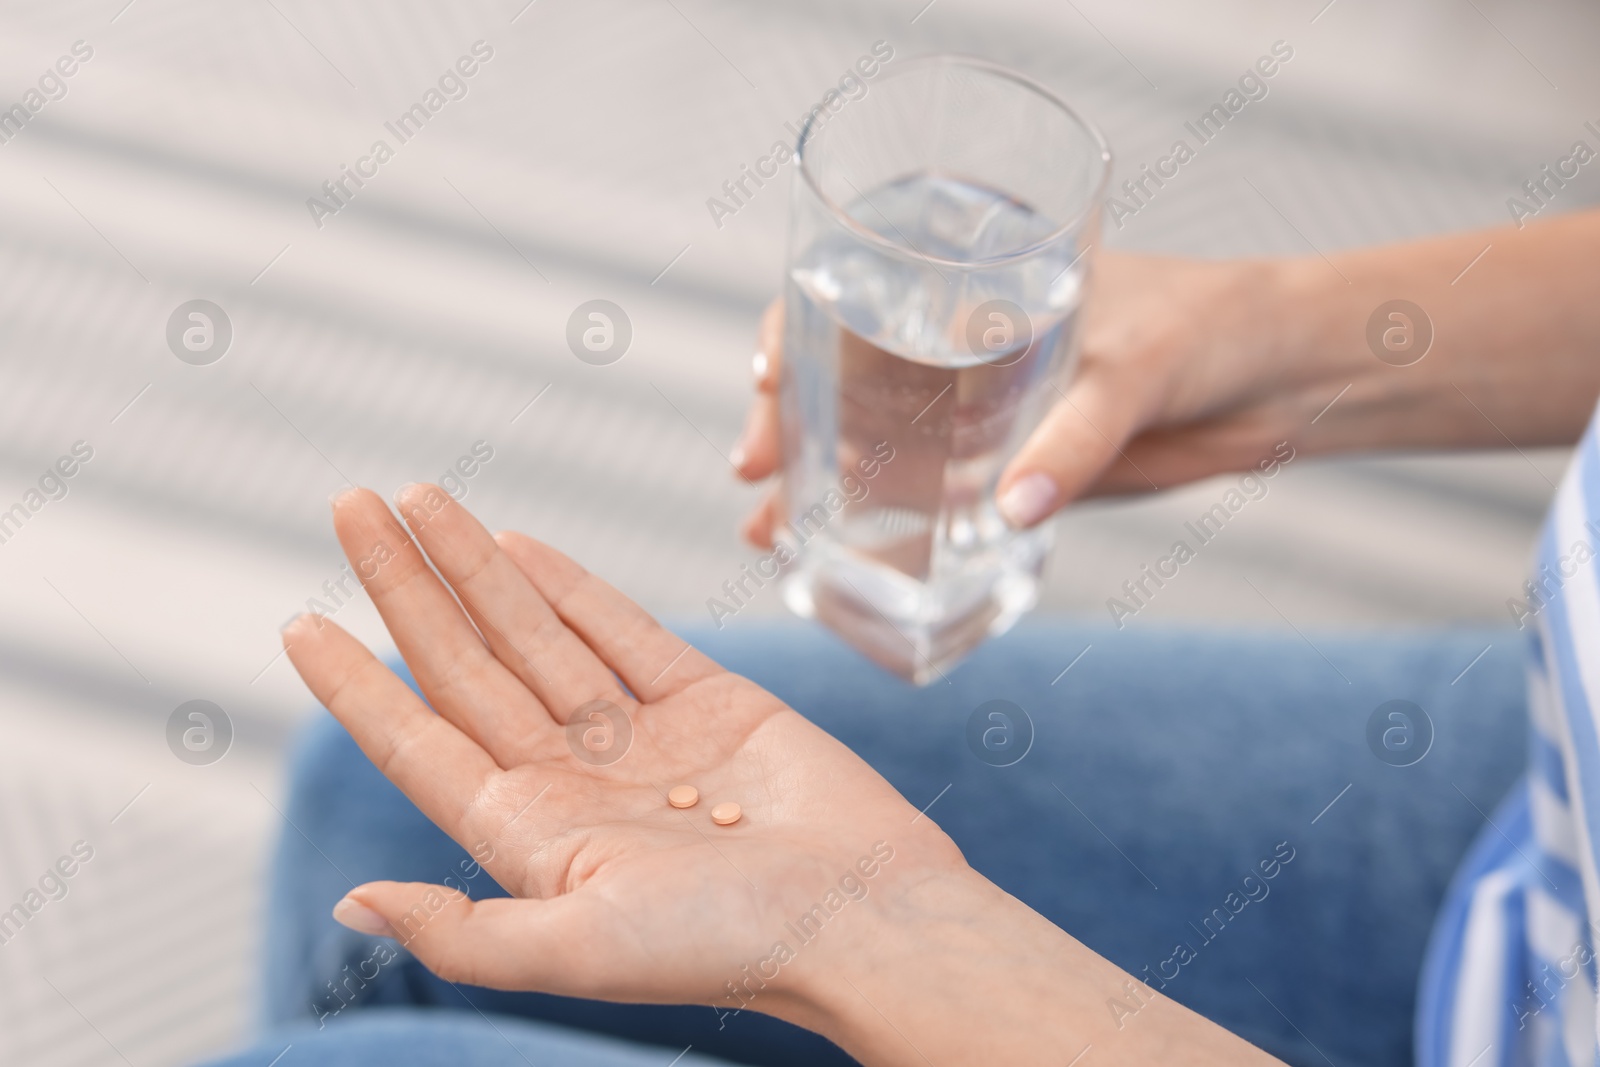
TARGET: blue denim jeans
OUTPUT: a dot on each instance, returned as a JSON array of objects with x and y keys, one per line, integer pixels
[{"x": 1162, "y": 777}]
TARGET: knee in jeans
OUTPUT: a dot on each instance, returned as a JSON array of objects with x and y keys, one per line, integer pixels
[{"x": 363, "y": 972}]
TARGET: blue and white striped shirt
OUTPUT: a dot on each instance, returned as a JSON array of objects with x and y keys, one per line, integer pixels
[{"x": 1510, "y": 976}]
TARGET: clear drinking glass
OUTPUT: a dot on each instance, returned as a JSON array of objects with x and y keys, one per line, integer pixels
[{"x": 938, "y": 253}]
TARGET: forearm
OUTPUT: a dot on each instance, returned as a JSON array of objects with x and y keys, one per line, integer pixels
[
  {"x": 966, "y": 974},
  {"x": 1515, "y": 352}
]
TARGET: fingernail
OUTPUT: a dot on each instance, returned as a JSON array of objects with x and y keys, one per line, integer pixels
[
  {"x": 400, "y": 493},
  {"x": 360, "y": 918},
  {"x": 738, "y": 456},
  {"x": 292, "y": 623},
  {"x": 1029, "y": 500},
  {"x": 339, "y": 494},
  {"x": 760, "y": 365}
]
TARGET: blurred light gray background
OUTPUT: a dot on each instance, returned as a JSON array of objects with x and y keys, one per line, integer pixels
[{"x": 426, "y": 315}]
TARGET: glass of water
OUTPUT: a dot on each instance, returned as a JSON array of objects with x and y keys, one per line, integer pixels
[{"x": 939, "y": 243}]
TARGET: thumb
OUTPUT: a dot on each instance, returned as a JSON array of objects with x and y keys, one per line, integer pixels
[
  {"x": 499, "y": 943},
  {"x": 1082, "y": 435}
]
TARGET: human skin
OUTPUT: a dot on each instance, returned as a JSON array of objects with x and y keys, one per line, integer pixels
[
  {"x": 1193, "y": 368},
  {"x": 1189, "y": 369},
  {"x": 617, "y": 895}
]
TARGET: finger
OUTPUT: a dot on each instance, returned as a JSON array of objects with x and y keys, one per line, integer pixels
[
  {"x": 556, "y": 945},
  {"x": 769, "y": 348},
  {"x": 1079, "y": 438},
  {"x": 651, "y": 660},
  {"x": 523, "y": 631},
  {"x": 757, "y": 526},
  {"x": 758, "y": 452},
  {"x": 454, "y": 668},
  {"x": 440, "y": 768}
]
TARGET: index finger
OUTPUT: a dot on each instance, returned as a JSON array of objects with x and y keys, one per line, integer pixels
[{"x": 440, "y": 768}]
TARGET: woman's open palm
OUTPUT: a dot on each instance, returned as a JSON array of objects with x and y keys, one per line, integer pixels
[{"x": 564, "y": 715}]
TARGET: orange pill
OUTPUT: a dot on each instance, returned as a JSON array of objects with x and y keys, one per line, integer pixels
[
  {"x": 725, "y": 814},
  {"x": 683, "y": 796}
]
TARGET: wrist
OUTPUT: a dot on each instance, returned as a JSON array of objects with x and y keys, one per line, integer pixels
[
  {"x": 953, "y": 969},
  {"x": 1333, "y": 393},
  {"x": 1316, "y": 337},
  {"x": 931, "y": 978}
]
